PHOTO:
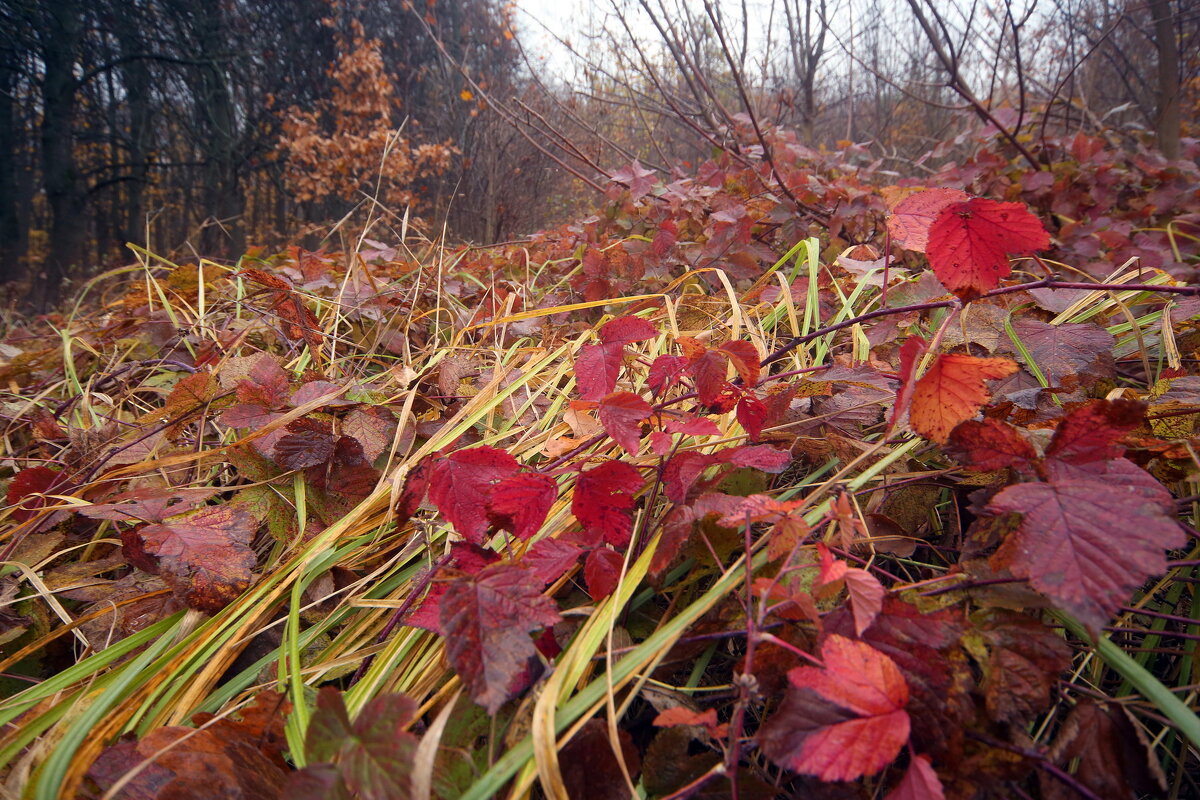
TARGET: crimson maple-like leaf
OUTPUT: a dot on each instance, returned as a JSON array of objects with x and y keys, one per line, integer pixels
[
  {"x": 487, "y": 619},
  {"x": 602, "y": 571},
  {"x": 621, "y": 414},
  {"x": 844, "y": 720},
  {"x": 596, "y": 369},
  {"x": 752, "y": 415},
  {"x": 920, "y": 782},
  {"x": 204, "y": 555},
  {"x": 756, "y": 456},
  {"x": 550, "y": 559},
  {"x": 460, "y": 486},
  {"x": 694, "y": 426},
  {"x": 626, "y": 330},
  {"x": 666, "y": 372},
  {"x": 953, "y": 391},
  {"x": 708, "y": 369},
  {"x": 910, "y": 219},
  {"x": 519, "y": 503},
  {"x": 989, "y": 445},
  {"x": 604, "y": 497},
  {"x": 1088, "y": 538},
  {"x": 969, "y": 243},
  {"x": 27, "y": 487},
  {"x": 1090, "y": 432}
]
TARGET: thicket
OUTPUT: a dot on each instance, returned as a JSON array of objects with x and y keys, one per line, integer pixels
[{"x": 674, "y": 500}]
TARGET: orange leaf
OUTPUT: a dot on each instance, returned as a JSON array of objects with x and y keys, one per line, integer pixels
[{"x": 953, "y": 391}]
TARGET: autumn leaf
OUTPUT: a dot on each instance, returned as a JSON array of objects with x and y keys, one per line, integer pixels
[
  {"x": 487, "y": 619},
  {"x": 371, "y": 757},
  {"x": 460, "y": 485},
  {"x": 666, "y": 372},
  {"x": 603, "y": 500},
  {"x": 621, "y": 414},
  {"x": 224, "y": 758},
  {"x": 1024, "y": 660},
  {"x": 952, "y": 391},
  {"x": 150, "y": 504},
  {"x": 602, "y": 571},
  {"x": 519, "y": 503},
  {"x": 910, "y": 358},
  {"x": 745, "y": 360},
  {"x": 1090, "y": 432},
  {"x": 27, "y": 487},
  {"x": 910, "y": 220},
  {"x": 989, "y": 445},
  {"x": 1087, "y": 539},
  {"x": 752, "y": 415},
  {"x": 596, "y": 369},
  {"x": 841, "y": 721},
  {"x": 969, "y": 243},
  {"x": 627, "y": 330},
  {"x": 920, "y": 782},
  {"x": 204, "y": 555}
]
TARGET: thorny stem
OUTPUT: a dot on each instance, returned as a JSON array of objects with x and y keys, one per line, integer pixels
[
  {"x": 1043, "y": 763},
  {"x": 1045, "y": 283}
]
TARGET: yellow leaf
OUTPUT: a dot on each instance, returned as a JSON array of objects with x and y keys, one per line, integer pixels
[{"x": 466, "y": 94}]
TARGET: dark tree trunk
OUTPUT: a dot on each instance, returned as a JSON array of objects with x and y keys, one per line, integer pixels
[
  {"x": 11, "y": 248},
  {"x": 1168, "y": 122},
  {"x": 64, "y": 191}
]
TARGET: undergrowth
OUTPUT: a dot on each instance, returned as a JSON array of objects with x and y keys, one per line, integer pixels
[{"x": 580, "y": 521}]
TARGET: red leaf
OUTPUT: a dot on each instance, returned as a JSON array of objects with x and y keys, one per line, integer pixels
[
  {"x": 519, "y": 503},
  {"x": 1087, "y": 540},
  {"x": 621, "y": 414},
  {"x": 487, "y": 619},
  {"x": 745, "y": 360},
  {"x": 847, "y": 720},
  {"x": 969, "y": 243},
  {"x": 1090, "y": 432},
  {"x": 204, "y": 555},
  {"x": 1068, "y": 355},
  {"x": 26, "y": 488},
  {"x": 373, "y": 756},
  {"x": 910, "y": 219},
  {"x": 626, "y": 330},
  {"x": 758, "y": 508},
  {"x": 682, "y": 472},
  {"x": 910, "y": 356},
  {"x": 266, "y": 384},
  {"x": 550, "y": 559},
  {"x": 676, "y": 530},
  {"x": 990, "y": 445},
  {"x": 681, "y": 715},
  {"x": 665, "y": 238},
  {"x": 752, "y": 416},
  {"x": 866, "y": 597},
  {"x": 694, "y": 426},
  {"x": 953, "y": 391},
  {"x": 309, "y": 443},
  {"x": 920, "y": 782},
  {"x": 602, "y": 571},
  {"x": 665, "y": 372},
  {"x": 708, "y": 370},
  {"x": 150, "y": 504},
  {"x": 596, "y": 369},
  {"x": 603, "y": 499},
  {"x": 756, "y": 456},
  {"x": 461, "y": 483}
]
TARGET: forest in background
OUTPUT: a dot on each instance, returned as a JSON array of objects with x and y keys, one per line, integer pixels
[{"x": 199, "y": 129}]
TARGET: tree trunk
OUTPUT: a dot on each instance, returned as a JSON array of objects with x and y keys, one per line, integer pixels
[
  {"x": 1168, "y": 123},
  {"x": 11, "y": 251},
  {"x": 64, "y": 192}
]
